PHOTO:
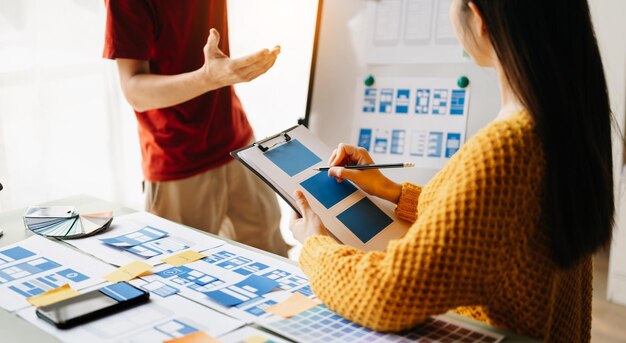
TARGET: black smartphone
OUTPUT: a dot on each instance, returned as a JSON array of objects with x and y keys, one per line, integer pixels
[{"x": 92, "y": 305}]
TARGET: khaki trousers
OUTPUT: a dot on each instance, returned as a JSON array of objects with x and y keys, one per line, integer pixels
[{"x": 212, "y": 200}]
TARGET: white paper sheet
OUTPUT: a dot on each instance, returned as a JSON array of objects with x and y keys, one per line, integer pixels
[
  {"x": 410, "y": 31},
  {"x": 36, "y": 264},
  {"x": 160, "y": 319},
  {"x": 225, "y": 266},
  {"x": 179, "y": 236},
  {"x": 353, "y": 217}
]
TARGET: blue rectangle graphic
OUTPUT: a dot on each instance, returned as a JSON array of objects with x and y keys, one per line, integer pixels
[
  {"x": 26, "y": 269},
  {"x": 364, "y": 219},
  {"x": 435, "y": 144},
  {"x": 398, "y": 141},
  {"x": 453, "y": 143},
  {"x": 402, "y": 101},
  {"x": 14, "y": 254},
  {"x": 327, "y": 190},
  {"x": 130, "y": 239},
  {"x": 369, "y": 100},
  {"x": 457, "y": 103},
  {"x": 121, "y": 291},
  {"x": 386, "y": 100},
  {"x": 292, "y": 157},
  {"x": 365, "y": 138}
]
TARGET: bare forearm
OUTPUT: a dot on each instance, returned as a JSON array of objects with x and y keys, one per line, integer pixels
[{"x": 151, "y": 91}]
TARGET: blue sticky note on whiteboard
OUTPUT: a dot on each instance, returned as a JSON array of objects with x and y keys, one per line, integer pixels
[{"x": 292, "y": 157}]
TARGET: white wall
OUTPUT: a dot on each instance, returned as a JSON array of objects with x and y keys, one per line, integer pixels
[{"x": 608, "y": 17}]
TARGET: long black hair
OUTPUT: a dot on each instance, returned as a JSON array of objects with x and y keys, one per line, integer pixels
[{"x": 549, "y": 53}]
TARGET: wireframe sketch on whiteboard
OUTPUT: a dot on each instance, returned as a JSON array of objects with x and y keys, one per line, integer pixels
[
  {"x": 419, "y": 120},
  {"x": 411, "y": 31}
]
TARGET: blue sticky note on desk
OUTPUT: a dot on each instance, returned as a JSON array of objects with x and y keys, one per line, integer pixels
[
  {"x": 252, "y": 287},
  {"x": 292, "y": 157}
]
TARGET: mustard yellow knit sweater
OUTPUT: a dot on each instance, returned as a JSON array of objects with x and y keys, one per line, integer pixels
[{"x": 478, "y": 245}]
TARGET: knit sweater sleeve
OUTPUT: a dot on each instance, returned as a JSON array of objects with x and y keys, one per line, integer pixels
[
  {"x": 407, "y": 204},
  {"x": 452, "y": 255}
]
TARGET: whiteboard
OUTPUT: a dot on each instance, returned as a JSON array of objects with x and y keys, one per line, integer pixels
[
  {"x": 277, "y": 99},
  {"x": 342, "y": 61}
]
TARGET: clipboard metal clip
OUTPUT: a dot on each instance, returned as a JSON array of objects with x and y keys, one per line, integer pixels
[{"x": 286, "y": 137}]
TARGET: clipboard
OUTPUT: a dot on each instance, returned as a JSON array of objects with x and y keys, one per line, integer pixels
[
  {"x": 285, "y": 162},
  {"x": 261, "y": 145}
]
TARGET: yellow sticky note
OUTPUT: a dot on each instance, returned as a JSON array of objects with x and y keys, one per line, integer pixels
[
  {"x": 255, "y": 339},
  {"x": 295, "y": 304},
  {"x": 128, "y": 272},
  {"x": 53, "y": 296},
  {"x": 183, "y": 258},
  {"x": 194, "y": 337}
]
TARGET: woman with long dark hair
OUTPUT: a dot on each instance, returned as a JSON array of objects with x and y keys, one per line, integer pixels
[{"x": 505, "y": 232}]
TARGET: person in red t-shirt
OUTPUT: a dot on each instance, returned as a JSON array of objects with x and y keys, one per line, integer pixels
[{"x": 178, "y": 77}]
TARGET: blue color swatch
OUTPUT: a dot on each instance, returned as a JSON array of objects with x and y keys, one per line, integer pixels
[
  {"x": 292, "y": 157},
  {"x": 365, "y": 219},
  {"x": 327, "y": 190}
]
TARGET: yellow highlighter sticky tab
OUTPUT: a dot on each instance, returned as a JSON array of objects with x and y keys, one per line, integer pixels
[
  {"x": 53, "y": 296},
  {"x": 255, "y": 339},
  {"x": 183, "y": 258},
  {"x": 128, "y": 272},
  {"x": 294, "y": 305},
  {"x": 194, "y": 337}
]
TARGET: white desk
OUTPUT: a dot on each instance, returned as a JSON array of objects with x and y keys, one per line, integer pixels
[{"x": 21, "y": 331}]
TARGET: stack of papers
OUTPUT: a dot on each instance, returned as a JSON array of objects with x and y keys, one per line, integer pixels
[{"x": 64, "y": 222}]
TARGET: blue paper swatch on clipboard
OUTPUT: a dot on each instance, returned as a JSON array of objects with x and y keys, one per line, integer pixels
[
  {"x": 365, "y": 219},
  {"x": 327, "y": 190},
  {"x": 292, "y": 157}
]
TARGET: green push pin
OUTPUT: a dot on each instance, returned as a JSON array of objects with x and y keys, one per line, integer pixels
[
  {"x": 463, "y": 81},
  {"x": 369, "y": 81}
]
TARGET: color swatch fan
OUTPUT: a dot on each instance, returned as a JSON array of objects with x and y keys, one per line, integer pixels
[{"x": 63, "y": 222}]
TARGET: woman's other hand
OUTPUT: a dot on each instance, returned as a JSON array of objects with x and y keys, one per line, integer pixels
[{"x": 309, "y": 224}]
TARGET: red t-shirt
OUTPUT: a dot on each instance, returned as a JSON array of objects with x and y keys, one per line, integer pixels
[{"x": 194, "y": 136}]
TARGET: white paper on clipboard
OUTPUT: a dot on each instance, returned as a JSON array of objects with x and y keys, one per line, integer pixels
[{"x": 286, "y": 161}]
